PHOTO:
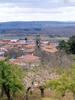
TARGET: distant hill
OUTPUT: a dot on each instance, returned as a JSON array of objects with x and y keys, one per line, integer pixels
[
  {"x": 35, "y": 24},
  {"x": 46, "y": 27}
]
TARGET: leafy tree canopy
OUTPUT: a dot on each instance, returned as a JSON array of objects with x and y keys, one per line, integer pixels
[
  {"x": 68, "y": 46},
  {"x": 11, "y": 77}
]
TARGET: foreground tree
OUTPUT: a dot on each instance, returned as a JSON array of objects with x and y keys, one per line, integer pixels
[
  {"x": 11, "y": 79},
  {"x": 66, "y": 82}
]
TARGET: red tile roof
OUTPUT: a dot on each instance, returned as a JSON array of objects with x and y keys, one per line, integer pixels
[
  {"x": 50, "y": 48},
  {"x": 26, "y": 59}
]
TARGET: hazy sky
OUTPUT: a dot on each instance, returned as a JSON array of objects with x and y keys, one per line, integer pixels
[{"x": 37, "y": 10}]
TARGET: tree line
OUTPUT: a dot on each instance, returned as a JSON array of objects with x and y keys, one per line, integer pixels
[{"x": 69, "y": 46}]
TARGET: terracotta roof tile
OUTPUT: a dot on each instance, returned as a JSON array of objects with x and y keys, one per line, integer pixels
[{"x": 26, "y": 59}]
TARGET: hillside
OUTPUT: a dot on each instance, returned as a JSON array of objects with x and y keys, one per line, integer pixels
[{"x": 44, "y": 27}]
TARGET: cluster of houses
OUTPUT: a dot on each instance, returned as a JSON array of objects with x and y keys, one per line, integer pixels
[{"x": 27, "y": 57}]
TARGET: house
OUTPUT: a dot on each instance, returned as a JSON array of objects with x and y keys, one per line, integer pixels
[
  {"x": 1, "y": 53},
  {"x": 27, "y": 61},
  {"x": 49, "y": 48}
]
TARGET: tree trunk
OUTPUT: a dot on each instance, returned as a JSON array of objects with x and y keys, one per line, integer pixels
[
  {"x": 42, "y": 91},
  {"x": 14, "y": 94},
  {"x": 74, "y": 95},
  {"x": 2, "y": 91},
  {"x": 7, "y": 92},
  {"x": 27, "y": 93},
  {"x": 27, "y": 96}
]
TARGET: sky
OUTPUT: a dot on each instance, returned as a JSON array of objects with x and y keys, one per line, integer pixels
[{"x": 37, "y": 10}]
